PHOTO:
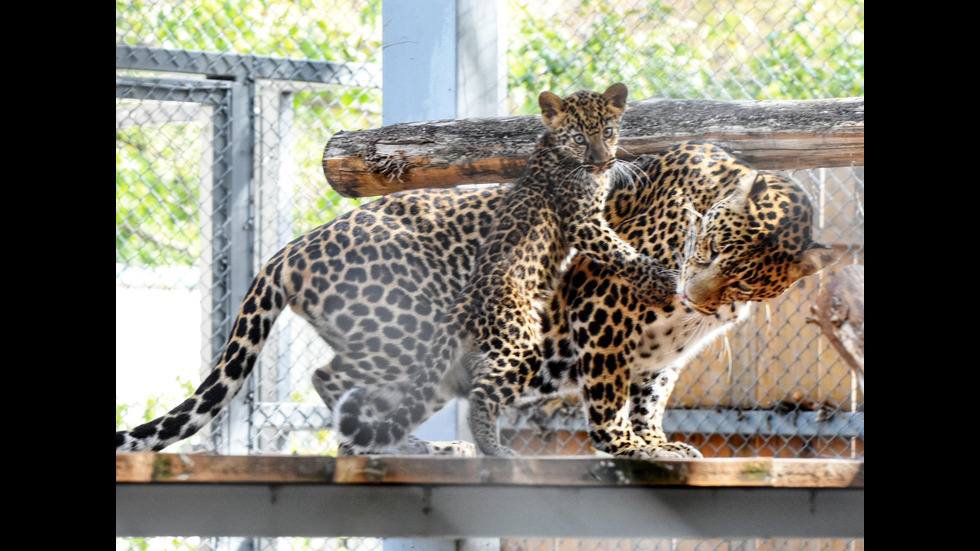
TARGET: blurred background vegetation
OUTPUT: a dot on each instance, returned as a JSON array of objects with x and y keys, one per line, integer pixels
[{"x": 785, "y": 49}]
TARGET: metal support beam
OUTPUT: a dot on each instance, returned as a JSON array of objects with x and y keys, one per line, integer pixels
[
  {"x": 419, "y": 43},
  {"x": 360, "y": 75},
  {"x": 412, "y": 511},
  {"x": 481, "y": 58},
  {"x": 690, "y": 421}
]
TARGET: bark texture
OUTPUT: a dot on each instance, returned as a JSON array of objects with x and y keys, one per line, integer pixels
[{"x": 772, "y": 135}]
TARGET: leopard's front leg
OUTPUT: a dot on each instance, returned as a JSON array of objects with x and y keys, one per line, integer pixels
[
  {"x": 611, "y": 428},
  {"x": 625, "y": 411},
  {"x": 648, "y": 397},
  {"x": 605, "y": 389},
  {"x": 607, "y": 408},
  {"x": 590, "y": 233}
]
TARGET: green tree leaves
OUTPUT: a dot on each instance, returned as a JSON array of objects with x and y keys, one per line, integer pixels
[{"x": 779, "y": 50}]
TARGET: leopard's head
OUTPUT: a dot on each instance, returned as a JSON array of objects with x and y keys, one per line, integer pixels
[
  {"x": 587, "y": 123},
  {"x": 752, "y": 245}
]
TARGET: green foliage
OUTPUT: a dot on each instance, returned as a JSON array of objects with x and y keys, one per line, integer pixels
[
  {"x": 129, "y": 415},
  {"x": 342, "y": 109},
  {"x": 333, "y": 30},
  {"x": 157, "y": 175},
  {"x": 659, "y": 48},
  {"x": 158, "y": 168},
  {"x": 788, "y": 51}
]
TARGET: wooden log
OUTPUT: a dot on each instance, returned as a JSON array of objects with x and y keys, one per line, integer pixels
[
  {"x": 772, "y": 135},
  {"x": 839, "y": 311}
]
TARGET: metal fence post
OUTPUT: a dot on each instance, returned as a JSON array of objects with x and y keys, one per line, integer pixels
[
  {"x": 233, "y": 239},
  {"x": 420, "y": 82}
]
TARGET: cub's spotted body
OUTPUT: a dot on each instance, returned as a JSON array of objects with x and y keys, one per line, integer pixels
[{"x": 380, "y": 283}]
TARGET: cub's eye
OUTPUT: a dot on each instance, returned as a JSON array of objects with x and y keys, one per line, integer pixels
[
  {"x": 743, "y": 288},
  {"x": 607, "y": 133},
  {"x": 579, "y": 139}
]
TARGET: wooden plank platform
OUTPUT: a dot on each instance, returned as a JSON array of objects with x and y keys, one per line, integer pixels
[{"x": 399, "y": 496}]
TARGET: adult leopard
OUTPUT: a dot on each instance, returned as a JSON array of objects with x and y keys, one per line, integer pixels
[{"x": 377, "y": 284}]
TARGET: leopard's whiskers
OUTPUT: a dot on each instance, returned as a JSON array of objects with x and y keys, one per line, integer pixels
[
  {"x": 695, "y": 331},
  {"x": 625, "y": 172}
]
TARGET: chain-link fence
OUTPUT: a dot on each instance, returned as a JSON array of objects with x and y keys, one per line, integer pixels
[{"x": 223, "y": 110}]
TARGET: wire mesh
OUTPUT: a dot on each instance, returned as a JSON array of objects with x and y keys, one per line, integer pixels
[
  {"x": 559, "y": 544},
  {"x": 315, "y": 70},
  {"x": 777, "y": 363}
]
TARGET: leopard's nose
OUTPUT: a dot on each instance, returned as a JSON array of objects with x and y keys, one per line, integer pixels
[{"x": 597, "y": 158}]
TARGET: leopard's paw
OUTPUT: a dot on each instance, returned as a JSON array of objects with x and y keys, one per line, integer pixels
[
  {"x": 682, "y": 449},
  {"x": 670, "y": 450},
  {"x": 456, "y": 448}
]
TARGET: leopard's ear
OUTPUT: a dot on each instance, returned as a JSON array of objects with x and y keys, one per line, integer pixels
[
  {"x": 751, "y": 183},
  {"x": 550, "y": 108},
  {"x": 616, "y": 95}
]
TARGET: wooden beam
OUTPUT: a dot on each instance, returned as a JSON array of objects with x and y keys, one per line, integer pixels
[
  {"x": 446, "y": 497},
  {"x": 527, "y": 471},
  {"x": 772, "y": 135}
]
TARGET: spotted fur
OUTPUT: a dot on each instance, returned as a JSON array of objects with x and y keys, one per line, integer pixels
[
  {"x": 556, "y": 206},
  {"x": 380, "y": 282}
]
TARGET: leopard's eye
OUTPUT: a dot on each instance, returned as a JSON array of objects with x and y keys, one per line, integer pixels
[
  {"x": 713, "y": 248},
  {"x": 607, "y": 133},
  {"x": 707, "y": 252},
  {"x": 743, "y": 287},
  {"x": 579, "y": 139}
]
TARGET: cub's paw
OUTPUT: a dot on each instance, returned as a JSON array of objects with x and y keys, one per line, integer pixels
[
  {"x": 656, "y": 287},
  {"x": 497, "y": 450}
]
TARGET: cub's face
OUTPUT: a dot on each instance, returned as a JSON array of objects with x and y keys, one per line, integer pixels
[
  {"x": 587, "y": 123},
  {"x": 752, "y": 245}
]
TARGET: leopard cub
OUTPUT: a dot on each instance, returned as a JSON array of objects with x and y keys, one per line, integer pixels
[{"x": 556, "y": 207}]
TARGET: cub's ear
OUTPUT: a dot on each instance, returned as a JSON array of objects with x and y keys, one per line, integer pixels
[
  {"x": 815, "y": 258},
  {"x": 550, "y": 108},
  {"x": 616, "y": 95}
]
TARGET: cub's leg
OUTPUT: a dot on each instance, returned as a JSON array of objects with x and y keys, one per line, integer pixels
[
  {"x": 500, "y": 351},
  {"x": 486, "y": 398},
  {"x": 500, "y": 377}
]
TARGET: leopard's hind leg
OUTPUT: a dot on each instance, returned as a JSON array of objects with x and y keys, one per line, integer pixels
[{"x": 377, "y": 417}]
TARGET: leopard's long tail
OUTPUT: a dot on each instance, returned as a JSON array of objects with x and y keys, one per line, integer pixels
[{"x": 265, "y": 300}]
